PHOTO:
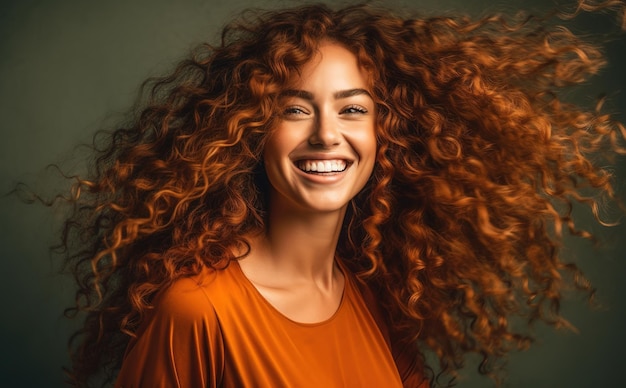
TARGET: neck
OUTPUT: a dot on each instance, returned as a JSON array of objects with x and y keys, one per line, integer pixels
[{"x": 299, "y": 245}]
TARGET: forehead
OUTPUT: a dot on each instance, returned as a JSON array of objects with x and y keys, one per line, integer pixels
[{"x": 333, "y": 66}]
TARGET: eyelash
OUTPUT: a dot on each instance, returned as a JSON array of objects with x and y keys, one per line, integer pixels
[
  {"x": 294, "y": 110},
  {"x": 352, "y": 109}
]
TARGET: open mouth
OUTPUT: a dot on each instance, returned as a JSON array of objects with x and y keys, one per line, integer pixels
[{"x": 322, "y": 166}]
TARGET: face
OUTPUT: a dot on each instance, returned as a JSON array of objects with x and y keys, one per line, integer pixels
[{"x": 323, "y": 150}]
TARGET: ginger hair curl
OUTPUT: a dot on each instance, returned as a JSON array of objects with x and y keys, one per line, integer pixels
[{"x": 479, "y": 163}]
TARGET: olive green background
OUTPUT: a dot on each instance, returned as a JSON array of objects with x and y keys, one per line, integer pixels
[{"x": 69, "y": 67}]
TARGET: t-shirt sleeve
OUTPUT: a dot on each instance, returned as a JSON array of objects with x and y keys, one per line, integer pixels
[{"x": 180, "y": 345}]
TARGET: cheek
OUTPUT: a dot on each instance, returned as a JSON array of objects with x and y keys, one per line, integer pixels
[
  {"x": 284, "y": 139},
  {"x": 274, "y": 147},
  {"x": 372, "y": 151},
  {"x": 368, "y": 145},
  {"x": 275, "y": 154}
]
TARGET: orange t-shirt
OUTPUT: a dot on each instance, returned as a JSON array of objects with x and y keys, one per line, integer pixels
[{"x": 216, "y": 330}]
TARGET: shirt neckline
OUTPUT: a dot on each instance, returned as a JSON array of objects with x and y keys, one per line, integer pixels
[{"x": 250, "y": 286}]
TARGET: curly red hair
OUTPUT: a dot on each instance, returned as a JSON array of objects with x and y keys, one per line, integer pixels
[{"x": 479, "y": 163}]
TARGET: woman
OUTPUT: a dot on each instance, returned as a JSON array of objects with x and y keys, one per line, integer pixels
[
  {"x": 260, "y": 319},
  {"x": 328, "y": 195}
]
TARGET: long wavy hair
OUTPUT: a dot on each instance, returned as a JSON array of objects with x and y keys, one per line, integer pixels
[{"x": 458, "y": 231}]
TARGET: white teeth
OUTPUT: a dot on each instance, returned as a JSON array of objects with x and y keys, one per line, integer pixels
[{"x": 322, "y": 165}]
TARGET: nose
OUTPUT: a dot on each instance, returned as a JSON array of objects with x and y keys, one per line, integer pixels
[{"x": 326, "y": 132}]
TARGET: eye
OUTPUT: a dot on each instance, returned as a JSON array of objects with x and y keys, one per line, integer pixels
[
  {"x": 295, "y": 110},
  {"x": 353, "y": 110}
]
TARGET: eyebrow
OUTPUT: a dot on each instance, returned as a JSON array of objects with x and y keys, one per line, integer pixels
[{"x": 338, "y": 95}]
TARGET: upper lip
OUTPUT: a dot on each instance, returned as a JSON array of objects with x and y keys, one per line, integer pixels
[{"x": 321, "y": 156}]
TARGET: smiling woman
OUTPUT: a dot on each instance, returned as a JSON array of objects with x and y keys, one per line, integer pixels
[
  {"x": 322, "y": 151},
  {"x": 330, "y": 196}
]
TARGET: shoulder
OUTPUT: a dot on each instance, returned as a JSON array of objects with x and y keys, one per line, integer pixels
[
  {"x": 188, "y": 298},
  {"x": 179, "y": 344}
]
